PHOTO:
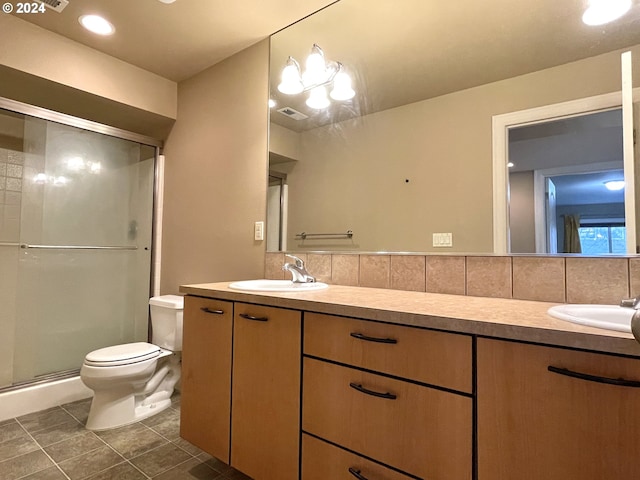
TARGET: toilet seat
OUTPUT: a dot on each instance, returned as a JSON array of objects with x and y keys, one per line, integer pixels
[{"x": 125, "y": 354}]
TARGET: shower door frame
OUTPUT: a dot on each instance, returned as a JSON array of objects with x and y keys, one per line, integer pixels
[{"x": 158, "y": 169}]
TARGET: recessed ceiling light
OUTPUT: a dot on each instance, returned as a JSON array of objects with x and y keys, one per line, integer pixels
[
  {"x": 605, "y": 11},
  {"x": 97, "y": 24},
  {"x": 614, "y": 185}
]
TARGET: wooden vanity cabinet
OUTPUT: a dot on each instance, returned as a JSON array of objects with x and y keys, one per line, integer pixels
[
  {"x": 205, "y": 401},
  {"x": 363, "y": 391},
  {"x": 245, "y": 413},
  {"x": 544, "y": 413},
  {"x": 265, "y": 422},
  {"x": 323, "y": 461}
]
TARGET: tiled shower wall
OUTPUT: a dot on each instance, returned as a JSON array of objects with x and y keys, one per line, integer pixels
[
  {"x": 11, "y": 176},
  {"x": 12, "y": 172},
  {"x": 548, "y": 279}
]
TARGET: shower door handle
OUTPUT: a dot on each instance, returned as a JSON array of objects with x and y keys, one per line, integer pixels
[{"x": 78, "y": 247}]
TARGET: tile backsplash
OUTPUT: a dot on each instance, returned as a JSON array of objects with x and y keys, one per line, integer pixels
[{"x": 554, "y": 279}]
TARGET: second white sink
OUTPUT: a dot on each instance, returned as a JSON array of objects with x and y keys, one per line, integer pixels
[
  {"x": 276, "y": 286},
  {"x": 609, "y": 317}
]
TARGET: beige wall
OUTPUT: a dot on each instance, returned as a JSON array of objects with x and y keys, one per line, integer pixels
[
  {"x": 521, "y": 213},
  {"x": 216, "y": 174},
  {"x": 353, "y": 175},
  {"x": 284, "y": 142},
  {"x": 42, "y": 68}
]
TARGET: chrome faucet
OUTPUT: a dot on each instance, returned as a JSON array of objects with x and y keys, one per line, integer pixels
[
  {"x": 298, "y": 270},
  {"x": 635, "y": 319}
]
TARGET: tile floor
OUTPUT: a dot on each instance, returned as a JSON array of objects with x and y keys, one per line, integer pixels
[{"x": 54, "y": 445}]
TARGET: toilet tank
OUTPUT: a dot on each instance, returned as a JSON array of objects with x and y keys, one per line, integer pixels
[{"x": 166, "y": 321}]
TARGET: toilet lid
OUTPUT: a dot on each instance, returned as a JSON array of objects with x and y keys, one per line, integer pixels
[{"x": 122, "y": 354}]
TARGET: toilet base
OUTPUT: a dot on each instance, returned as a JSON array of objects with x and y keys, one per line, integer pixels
[{"x": 117, "y": 407}]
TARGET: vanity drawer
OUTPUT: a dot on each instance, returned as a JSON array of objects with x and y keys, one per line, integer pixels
[
  {"x": 323, "y": 461},
  {"x": 423, "y": 431},
  {"x": 427, "y": 356}
]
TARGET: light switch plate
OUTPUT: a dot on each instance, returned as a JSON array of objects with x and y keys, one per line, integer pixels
[{"x": 258, "y": 231}]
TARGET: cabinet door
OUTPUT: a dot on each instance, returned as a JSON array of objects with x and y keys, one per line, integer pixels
[
  {"x": 265, "y": 421},
  {"x": 536, "y": 424},
  {"x": 205, "y": 402}
]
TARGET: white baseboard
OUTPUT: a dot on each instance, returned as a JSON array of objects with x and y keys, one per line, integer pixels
[{"x": 40, "y": 397}]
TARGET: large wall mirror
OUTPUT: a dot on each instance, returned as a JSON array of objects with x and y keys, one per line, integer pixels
[{"x": 407, "y": 164}]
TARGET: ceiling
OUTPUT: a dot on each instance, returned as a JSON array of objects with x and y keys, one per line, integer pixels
[
  {"x": 580, "y": 153},
  {"x": 176, "y": 40},
  {"x": 406, "y": 51}
]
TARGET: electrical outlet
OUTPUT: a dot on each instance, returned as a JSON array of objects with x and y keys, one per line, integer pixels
[
  {"x": 443, "y": 240},
  {"x": 258, "y": 231}
]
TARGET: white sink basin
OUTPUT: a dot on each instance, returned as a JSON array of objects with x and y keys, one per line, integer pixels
[
  {"x": 276, "y": 286},
  {"x": 609, "y": 317}
]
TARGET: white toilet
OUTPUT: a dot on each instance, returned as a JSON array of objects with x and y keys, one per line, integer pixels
[{"x": 136, "y": 380}]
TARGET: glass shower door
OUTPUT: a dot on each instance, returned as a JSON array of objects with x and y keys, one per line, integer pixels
[{"x": 82, "y": 275}]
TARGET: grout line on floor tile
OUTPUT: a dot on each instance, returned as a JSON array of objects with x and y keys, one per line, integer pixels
[
  {"x": 72, "y": 415},
  {"x": 43, "y": 451},
  {"x": 136, "y": 468}
]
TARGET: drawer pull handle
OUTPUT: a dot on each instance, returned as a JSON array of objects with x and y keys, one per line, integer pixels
[
  {"x": 357, "y": 474},
  {"x": 621, "y": 382},
  {"x": 360, "y": 388},
  {"x": 255, "y": 319},
  {"x": 360, "y": 336},
  {"x": 213, "y": 312}
]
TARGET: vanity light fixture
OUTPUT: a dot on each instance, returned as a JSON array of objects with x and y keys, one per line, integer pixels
[
  {"x": 600, "y": 12},
  {"x": 75, "y": 164},
  {"x": 318, "y": 75},
  {"x": 97, "y": 24},
  {"x": 60, "y": 181},
  {"x": 40, "y": 178},
  {"x": 614, "y": 185}
]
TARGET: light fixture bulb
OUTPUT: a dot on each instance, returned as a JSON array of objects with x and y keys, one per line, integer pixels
[
  {"x": 342, "y": 87},
  {"x": 318, "y": 98},
  {"x": 60, "y": 181},
  {"x": 614, "y": 185},
  {"x": 97, "y": 24},
  {"x": 291, "y": 83},
  {"x": 600, "y": 12},
  {"x": 40, "y": 178},
  {"x": 316, "y": 68},
  {"x": 75, "y": 164}
]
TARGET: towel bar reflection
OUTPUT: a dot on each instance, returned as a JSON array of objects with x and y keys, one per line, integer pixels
[
  {"x": 305, "y": 235},
  {"x": 77, "y": 247}
]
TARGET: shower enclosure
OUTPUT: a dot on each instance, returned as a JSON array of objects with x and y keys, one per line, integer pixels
[{"x": 76, "y": 216}]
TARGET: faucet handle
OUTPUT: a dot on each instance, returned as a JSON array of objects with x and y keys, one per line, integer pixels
[
  {"x": 299, "y": 262},
  {"x": 630, "y": 302}
]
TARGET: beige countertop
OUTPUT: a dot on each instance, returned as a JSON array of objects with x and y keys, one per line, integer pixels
[{"x": 492, "y": 317}]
